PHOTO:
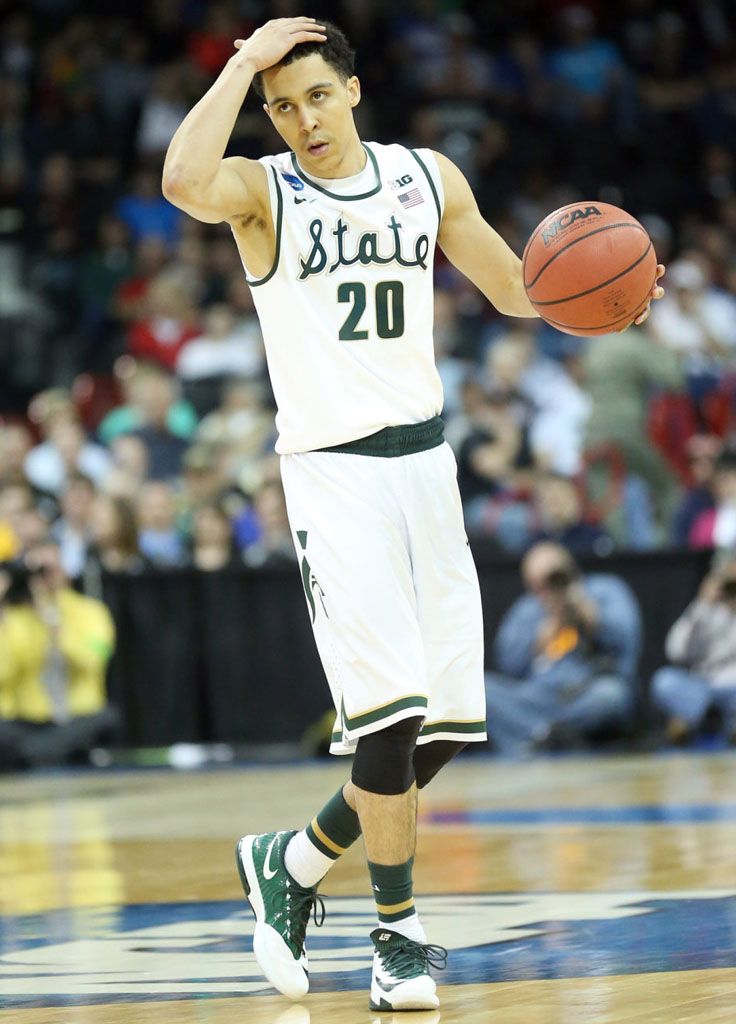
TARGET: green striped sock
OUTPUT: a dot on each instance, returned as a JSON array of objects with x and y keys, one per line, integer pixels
[
  {"x": 393, "y": 889},
  {"x": 313, "y": 851}
]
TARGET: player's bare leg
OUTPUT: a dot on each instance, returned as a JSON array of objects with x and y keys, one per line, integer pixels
[{"x": 401, "y": 979}]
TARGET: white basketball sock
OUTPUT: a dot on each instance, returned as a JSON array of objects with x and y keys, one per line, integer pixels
[
  {"x": 304, "y": 862},
  {"x": 410, "y": 926}
]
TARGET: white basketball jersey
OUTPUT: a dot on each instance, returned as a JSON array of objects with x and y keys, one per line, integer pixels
[{"x": 347, "y": 308}]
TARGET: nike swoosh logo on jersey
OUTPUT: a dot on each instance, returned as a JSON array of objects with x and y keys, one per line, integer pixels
[
  {"x": 298, "y": 200},
  {"x": 268, "y": 874}
]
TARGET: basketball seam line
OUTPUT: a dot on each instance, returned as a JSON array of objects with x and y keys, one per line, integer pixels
[
  {"x": 595, "y": 231},
  {"x": 601, "y": 327},
  {"x": 569, "y": 298}
]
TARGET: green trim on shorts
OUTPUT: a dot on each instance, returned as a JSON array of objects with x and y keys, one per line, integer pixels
[
  {"x": 459, "y": 727},
  {"x": 416, "y": 700},
  {"x": 391, "y": 442}
]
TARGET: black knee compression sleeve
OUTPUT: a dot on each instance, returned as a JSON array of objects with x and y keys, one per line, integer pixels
[
  {"x": 430, "y": 757},
  {"x": 383, "y": 761}
]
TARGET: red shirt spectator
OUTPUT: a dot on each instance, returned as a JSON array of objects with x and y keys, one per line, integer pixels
[{"x": 170, "y": 322}]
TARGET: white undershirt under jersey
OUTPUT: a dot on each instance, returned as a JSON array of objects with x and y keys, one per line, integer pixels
[{"x": 347, "y": 308}]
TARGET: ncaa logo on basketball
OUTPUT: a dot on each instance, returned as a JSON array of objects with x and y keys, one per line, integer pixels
[{"x": 566, "y": 220}]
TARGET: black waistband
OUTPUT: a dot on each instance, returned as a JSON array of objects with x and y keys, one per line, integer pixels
[{"x": 390, "y": 442}]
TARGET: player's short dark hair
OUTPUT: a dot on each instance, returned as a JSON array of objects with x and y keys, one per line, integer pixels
[{"x": 335, "y": 51}]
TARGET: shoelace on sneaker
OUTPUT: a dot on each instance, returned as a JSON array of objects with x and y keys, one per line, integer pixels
[
  {"x": 404, "y": 960},
  {"x": 299, "y": 905}
]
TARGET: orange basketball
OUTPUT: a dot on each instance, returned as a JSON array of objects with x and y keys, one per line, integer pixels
[{"x": 589, "y": 268}]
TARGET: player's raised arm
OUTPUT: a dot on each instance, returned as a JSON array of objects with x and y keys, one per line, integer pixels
[
  {"x": 476, "y": 249},
  {"x": 196, "y": 176}
]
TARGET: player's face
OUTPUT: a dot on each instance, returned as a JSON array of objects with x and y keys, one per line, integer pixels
[{"x": 312, "y": 110}]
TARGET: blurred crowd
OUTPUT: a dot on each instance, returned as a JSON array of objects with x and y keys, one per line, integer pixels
[{"x": 136, "y": 419}]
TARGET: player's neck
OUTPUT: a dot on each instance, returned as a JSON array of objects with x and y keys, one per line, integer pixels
[{"x": 351, "y": 162}]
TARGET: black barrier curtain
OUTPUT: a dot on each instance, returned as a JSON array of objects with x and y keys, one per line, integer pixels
[{"x": 229, "y": 656}]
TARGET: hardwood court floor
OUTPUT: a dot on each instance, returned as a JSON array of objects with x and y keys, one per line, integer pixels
[{"x": 567, "y": 890}]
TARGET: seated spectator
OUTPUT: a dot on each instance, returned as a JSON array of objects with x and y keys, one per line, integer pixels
[
  {"x": 66, "y": 450},
  {"x": 149, "y": 259},
  {"x": 156, "y": 394},
  {"x": 146, "y": 212},
  {"x": 702, "y": 645},
  {"x": 586, "y": 70},
  {"x": 129, "y": 467},
  {"x": 219, "y": 351},
  {"x": 114, "y": 538},
  {"x": 205, "y": 480},
  {"x": 494, "y": 446},
  {"x": 56, "y": 644},
  {"x": 180, "y": 417},
  {"x": 561, "y": 518},
  {"x": 558, "y": 406},
  {"x": 703, "y": 451},
  {"x": 275, "y": 545},
  {"x": 716, "y": 527},
  {"x": 65, "y": 446},
  {"x": 566, "y": 654},
  {"x": 158, "y": 537},
  {"x": 71, "y": 530},
  {"x": 169, "y": 321},
  {"x": 213, "y": 542},
  {"x": 16, "y": 497},
  {"x": 243, "y": 427},
  {"x": 697, "y": 321},
  {"x": 16, "y": 442},
  {"x": 24, "y": 515},
  {"x": 102, "y": 271}
]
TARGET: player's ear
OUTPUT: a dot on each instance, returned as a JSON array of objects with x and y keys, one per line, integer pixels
[
  {"x": 267, "y": 109},
  {"x": 353, "y": 87}
]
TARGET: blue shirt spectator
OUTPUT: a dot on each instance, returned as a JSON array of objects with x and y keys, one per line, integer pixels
[
  {"x": 566, "y": 654},
  {"x": 146, "y": 212}
]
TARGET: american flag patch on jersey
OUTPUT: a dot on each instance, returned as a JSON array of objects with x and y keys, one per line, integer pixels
[{"x": 411, "y": 198}]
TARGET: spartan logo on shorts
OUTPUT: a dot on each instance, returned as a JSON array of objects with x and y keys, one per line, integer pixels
[{"x": 311, "y": 585}]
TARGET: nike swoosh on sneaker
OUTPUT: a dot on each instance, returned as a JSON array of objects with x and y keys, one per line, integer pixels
[
  {"x": 268, "y": 874},
  {"x": 390, "y": 986}
]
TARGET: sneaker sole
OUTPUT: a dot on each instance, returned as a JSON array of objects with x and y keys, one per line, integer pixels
[
  {"x": 412, "y": 1004},
  {"x": 244, "y": 858}
]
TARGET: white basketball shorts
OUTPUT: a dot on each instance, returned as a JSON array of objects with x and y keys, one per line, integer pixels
[{"x": 391, "y": 590}]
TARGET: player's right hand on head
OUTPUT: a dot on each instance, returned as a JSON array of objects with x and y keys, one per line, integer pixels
[{"x": 272, "y": 41}]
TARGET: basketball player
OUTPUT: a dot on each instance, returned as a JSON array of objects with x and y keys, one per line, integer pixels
[{"x": 337, "y": 239}]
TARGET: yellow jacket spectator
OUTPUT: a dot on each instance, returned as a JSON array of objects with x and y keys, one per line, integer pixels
[{"x": 55, "y": 645}]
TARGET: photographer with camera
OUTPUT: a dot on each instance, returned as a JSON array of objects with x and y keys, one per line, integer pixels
[
  {"x": 54, "y": 648},
  {"x": 702, "y": 644},
  {"x": 566, "y": 654}
]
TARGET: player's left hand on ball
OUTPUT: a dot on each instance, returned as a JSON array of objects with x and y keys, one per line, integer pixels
[{"x": 657, "y": 293}]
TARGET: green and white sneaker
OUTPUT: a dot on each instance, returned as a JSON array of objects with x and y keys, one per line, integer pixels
[
  {"x": 401, "y": 979},
  {"x": 281, "y": 908}
]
